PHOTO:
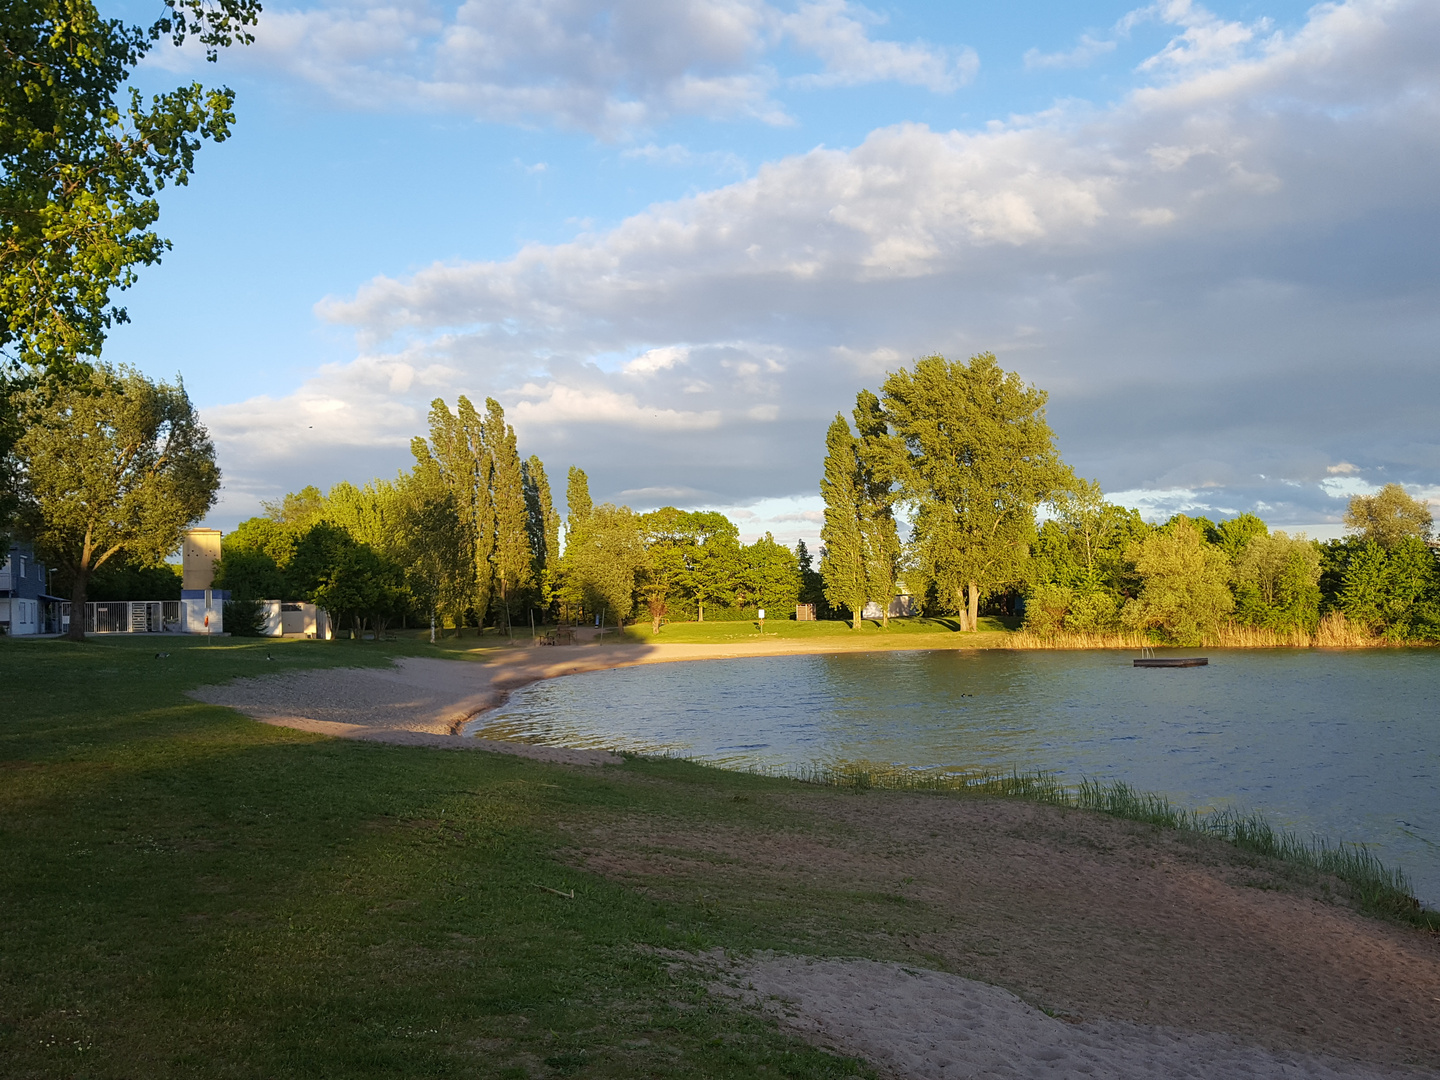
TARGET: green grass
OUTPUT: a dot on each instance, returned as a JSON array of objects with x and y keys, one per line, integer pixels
[
  {"x": 1376, "y": 889},
  {"x": 189, "y": 893}
]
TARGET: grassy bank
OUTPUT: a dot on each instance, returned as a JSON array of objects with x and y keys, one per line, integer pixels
[
  {"x": 189, "y": 893},
  {"x": 1377, "y": 889}
]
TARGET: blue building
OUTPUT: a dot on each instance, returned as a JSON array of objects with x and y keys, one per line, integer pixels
[{"x": 26, "y": 606}]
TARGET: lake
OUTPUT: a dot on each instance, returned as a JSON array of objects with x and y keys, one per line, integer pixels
[{"x": 1340, "y": 744}]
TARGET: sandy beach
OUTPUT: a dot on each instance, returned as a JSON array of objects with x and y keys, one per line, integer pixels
[{"x": 424, "y": 701}]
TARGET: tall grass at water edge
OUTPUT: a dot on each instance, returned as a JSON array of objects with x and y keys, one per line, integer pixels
[
  {"x": 1375, "y": 888},
  {"x": 1333, "y": 632}
]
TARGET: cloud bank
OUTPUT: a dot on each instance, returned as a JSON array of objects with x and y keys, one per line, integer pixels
[
  {"x": 1227, "y": 281},
  {"x": 608, "y": 67}
]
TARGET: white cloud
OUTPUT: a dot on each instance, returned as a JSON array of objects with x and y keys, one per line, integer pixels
[
  {"x": 837, "y": 32},
  {"x": 554, "y": 403},
  {"x": 1087, "y": 51},
  {"x": 1224, "y": 278},
  {"x": 653, "y": 360},
  {"x": 610, "y": 67}
]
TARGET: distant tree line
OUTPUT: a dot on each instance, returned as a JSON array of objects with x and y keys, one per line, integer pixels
[
  {"x": 470, "y": 537},
  {"x": 997, "y": 522}
]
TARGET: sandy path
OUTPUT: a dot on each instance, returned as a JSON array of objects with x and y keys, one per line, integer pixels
[
  {"x": 929, "y": 1025},
  {"x": 1095, "y": 918}
]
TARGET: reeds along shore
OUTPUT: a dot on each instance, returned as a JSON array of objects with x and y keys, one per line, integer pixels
[{"x": 1334, "y": 632}]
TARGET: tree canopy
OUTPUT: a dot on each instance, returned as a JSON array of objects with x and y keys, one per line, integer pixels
[
  {"x": 1389, "y": 516},
  {"x": 112, "y": 464},
  {"x": 979, "y": 460},
  {"x": 81, "y": 164}
]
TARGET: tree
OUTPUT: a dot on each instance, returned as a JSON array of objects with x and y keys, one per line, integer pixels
[
  {"x": 436, "y": 561},
  {"x": 1185, "y": 590},
  {"x": 1277, "y": 580},
  {"x": 980, "y": 458},
  {"x": 606, "y": 558},
  {"x": 716, "y": 561},
  {"x": 812, "y": 585},
  {"x": 1395, "y": 590},
  {"x": 513, "y": 557},
  {"x": 669, "y": 539},
  {"x": 879, "y": 455},
  {"x": 544, "y": 527},
  {"x": 1389, "y": 516},
  {"x": 298, "y": 509},
  {"x": 580, "y": 510},
  {"x": 773, "y": 575},
  {"x": 80, "y": 169},
  {"x": 112, "y": 464},
  {"x": 842, "y": 559},
  {"x": 1235, "y": 535},
  {"x": 456, "y": 457}
]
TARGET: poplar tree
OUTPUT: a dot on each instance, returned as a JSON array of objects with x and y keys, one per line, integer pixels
[
  {"x": 472, "y": 424},
  {"x": 544, "y": 526},
  {"x": 513, "y": 557},
  {"x": 842, "y": 562},
  {"x": 877, "y": 453},
  {"x": 580, "y": 510},
  {"x": 979, "y": 459},
  {"x": 456, "y": 457}
]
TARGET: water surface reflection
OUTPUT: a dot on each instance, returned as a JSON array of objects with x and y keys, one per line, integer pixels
[{"x": 1337, "y": 743}]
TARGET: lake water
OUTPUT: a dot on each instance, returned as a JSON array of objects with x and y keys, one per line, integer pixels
[{"x": 1340, "y": 744}]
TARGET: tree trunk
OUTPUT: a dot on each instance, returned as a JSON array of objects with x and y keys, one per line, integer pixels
[
  {"x": 77, "y": 605},
  {"x": 855, "y": 613},
  {"x": 974, "y": 611},
  {"x": 885, "y": 616},
  {"x": 702, "y": 610},
  {"x": 964, "y": 612}
]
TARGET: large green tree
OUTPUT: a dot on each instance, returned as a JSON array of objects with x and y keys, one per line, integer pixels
[
  {"x": 82, "y": 162},
  {"x": 980, "y": 459},
  {"x": 1277, "y": 581},
  {"x": 544, "y": 527},
  {"x": 716, "y": 562},
  {"x": 772, "y": 576},
  {"x": 112, "y": 463},
  {"x": 1185, "y": 590},
  {"x": 512, "y": 556},
  {"x": 879, "y": 455},
  {"x": 842, "y": 552},
  {"x": 606, "y": 560},
  {"x": 580, "y": 509},
  {"x": 1389, "y": 516}
]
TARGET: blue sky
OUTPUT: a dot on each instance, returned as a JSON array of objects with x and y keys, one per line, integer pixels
[{"x": 674, "y": 239}]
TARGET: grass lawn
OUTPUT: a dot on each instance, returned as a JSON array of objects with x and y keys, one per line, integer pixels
[{"x": 189, "y": 893}]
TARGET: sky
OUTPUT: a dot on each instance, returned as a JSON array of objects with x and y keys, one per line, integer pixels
[{"x": 673, "y": 240}]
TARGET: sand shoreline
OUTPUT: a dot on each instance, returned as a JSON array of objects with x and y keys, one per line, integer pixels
[{"x": 430, "y": 701}]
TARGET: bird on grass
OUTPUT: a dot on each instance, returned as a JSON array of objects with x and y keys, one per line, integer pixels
[
  {"x": 269, "y": 657},
  {"x": 161, "y": 655}
]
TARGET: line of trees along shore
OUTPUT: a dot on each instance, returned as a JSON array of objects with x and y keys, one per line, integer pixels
[
  {"x": 470, "y": 537},
  {"x": 945, "y": 486},
  {"x": 999, "y": 524}
]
